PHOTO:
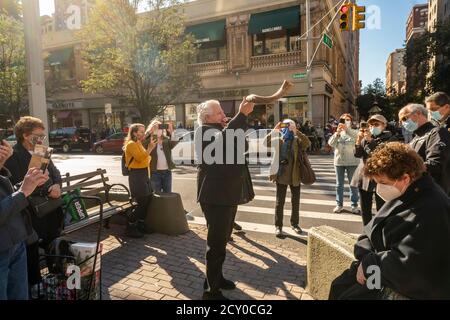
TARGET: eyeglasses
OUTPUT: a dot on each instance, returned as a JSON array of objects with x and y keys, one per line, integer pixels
[{"x": 39, "y": 137}]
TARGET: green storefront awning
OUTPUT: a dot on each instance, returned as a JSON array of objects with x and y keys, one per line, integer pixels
[
  {"x": 281, "y": 19},
  {"x": 60, "y": 56},
  {"x": 206, "y": 32}
]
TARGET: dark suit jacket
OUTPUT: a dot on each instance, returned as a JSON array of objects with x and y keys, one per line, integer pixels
[
  {"x": 433, "y": 146},
  {"x": 409, "y": 239},
  {"x": 220, "y": 183}
]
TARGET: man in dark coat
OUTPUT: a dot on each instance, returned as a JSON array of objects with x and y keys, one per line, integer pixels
[
  {"x": 439, "y": 106},
  {"x": 430, "y": 142},
  {"x": 221, "y": 184}
]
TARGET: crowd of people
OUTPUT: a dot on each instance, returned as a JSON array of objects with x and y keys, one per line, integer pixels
[
  {"x": 408, "y": 238},
  {"x": 410, "y": 244}
]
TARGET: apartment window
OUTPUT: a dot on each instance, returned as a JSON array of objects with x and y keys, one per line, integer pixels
[
  {"x": 276, "y": 42},
  {"x": 61, "y": 65},
  {"x": 212, "y": 51}
]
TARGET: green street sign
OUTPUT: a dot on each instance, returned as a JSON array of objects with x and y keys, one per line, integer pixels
[
  {"x": 327, "y": 40},
  {"x": 299, "y": 75}
]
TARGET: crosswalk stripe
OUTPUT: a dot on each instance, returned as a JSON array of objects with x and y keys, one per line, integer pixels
[
  {"x": 304, "y": 214},
  {"x": 303, "y": 191},
  {"x": 256, "y": 227},
  {"x": 303, "y": 201}
]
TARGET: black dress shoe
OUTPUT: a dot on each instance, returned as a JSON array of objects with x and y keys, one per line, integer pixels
[
  {"x": 236, "y": 227},
  {"x": 297, "y": 229},
  {"x": 226, "y": 285},
  {"x": 214, "y": 296}
]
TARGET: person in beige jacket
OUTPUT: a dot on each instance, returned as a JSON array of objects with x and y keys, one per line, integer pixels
[{"x": 343, "y": 142}]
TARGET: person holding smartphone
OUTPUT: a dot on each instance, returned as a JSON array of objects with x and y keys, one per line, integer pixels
[
  {"x": 287, "y": 141},
  {"x": 138, "y": 159},
  {"x": 161, "y": 164},
  {"x": 30, "y": 132},
  {"x": 343, "y": 142},
  {"x": 367, "y": 141},
  {"x": 15, "y": 228}
]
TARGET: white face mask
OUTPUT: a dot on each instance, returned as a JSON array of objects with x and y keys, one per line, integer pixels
[
  {"x": 348, "y": 124},
  {"x": 388, "y": 192}
]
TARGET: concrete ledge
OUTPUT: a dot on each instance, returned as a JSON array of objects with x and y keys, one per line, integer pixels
[{"x": 329, "y": 253}]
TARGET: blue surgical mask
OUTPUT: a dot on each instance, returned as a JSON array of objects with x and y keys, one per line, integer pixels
[
  {"x": 436, "y": 115},
  {"x": 410, "y": 125},
  {"x": 375, "y": 131}
]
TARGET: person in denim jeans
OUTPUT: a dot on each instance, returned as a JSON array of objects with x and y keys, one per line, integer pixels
[
  {"x": 15, "y": 228},
  {"x": 161, "y": 164},
  {"x": 343, "y": 142}
]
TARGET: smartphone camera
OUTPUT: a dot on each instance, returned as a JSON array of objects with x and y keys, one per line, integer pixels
[
  {"x": 342, "y": 121},
  {"x": 164, "y": 126},
  {"x": 284, "y": 125},
  {"x": 364, "y": 125}
]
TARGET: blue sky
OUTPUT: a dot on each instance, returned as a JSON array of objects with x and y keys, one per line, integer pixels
[{"x": 376, "y": 45}]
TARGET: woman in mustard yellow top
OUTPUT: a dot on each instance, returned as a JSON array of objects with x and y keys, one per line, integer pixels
[{"x": 138, "y": 160}]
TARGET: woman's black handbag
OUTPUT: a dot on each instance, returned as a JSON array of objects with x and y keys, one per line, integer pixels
[
  {"x": 43, "y": 205},
  {"x": 248, "y": 194}
]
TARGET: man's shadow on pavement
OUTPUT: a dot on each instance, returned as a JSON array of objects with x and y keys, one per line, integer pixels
[{"x": 279, "y": 269}]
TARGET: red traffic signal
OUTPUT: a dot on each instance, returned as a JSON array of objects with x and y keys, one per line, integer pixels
[
  {"x": 344, "y": 22},
  {"x": 344, "y": 9}
]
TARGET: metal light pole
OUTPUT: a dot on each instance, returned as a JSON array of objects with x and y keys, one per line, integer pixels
[
  {"x": 35, "y": 63},
  {"x": 308, "y": 57}
]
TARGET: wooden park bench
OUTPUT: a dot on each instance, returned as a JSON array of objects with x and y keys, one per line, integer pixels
[{"x": 95, "y": 191}]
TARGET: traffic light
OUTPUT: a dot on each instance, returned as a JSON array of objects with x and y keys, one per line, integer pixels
[
  {"x": 359, "y": 17},
  {"x": 344, "y": 17}
]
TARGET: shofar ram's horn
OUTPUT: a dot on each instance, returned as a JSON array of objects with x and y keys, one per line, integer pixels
[{"x": 284, "y": 89}]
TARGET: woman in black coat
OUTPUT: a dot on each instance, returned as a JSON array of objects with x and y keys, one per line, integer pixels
[
  {"x": 367, "y": 141},
  {"x": 408, "y": 239},
  {"x": 29, "y": 131}
]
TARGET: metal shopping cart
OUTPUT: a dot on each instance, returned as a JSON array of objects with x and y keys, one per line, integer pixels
[{"x": 73, "y": 274}]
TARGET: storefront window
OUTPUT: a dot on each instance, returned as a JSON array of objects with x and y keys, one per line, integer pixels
[
  {"x": 169, "y": 114},
  {"x": 276, "y": 42},
  {"x": 191, "y": 115},
  {"x": 296, "y": 108}
]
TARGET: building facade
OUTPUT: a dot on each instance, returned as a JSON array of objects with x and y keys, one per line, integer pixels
[
  {"x": 395, "y": 72},
  {"x": 438, "y": 13},
  {"x": 245, "y": 47},
  {"x": 417, "y": 22}
]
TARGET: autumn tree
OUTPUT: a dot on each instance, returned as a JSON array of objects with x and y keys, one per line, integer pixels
[
  {"x": 13, "y": 82},
  {"x": 139, "y": 57}
]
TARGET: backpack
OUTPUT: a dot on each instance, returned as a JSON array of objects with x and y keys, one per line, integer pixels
[{"x": 125, "y": 170}]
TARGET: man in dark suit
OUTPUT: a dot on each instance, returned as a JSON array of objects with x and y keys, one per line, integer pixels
[{"x": 220, "y": 184}]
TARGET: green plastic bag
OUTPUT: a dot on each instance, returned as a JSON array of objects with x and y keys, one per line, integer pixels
[{"x": 77, "y": 209}]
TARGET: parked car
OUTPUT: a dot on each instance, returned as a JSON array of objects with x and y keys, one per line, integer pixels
[
  {"x": 184, "y": 151},
  {"x": 11, "y": 140},
  {"x": 113, "y": 143},
  {"x": 70, "y": 138}
]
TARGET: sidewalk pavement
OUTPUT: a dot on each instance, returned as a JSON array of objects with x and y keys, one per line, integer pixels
[{"x": 160, "y": 267}]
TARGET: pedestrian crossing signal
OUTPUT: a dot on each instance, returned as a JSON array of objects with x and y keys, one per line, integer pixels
[
  {"x": 344, "y": 17},
  {"x": 359, "y": 17}
]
